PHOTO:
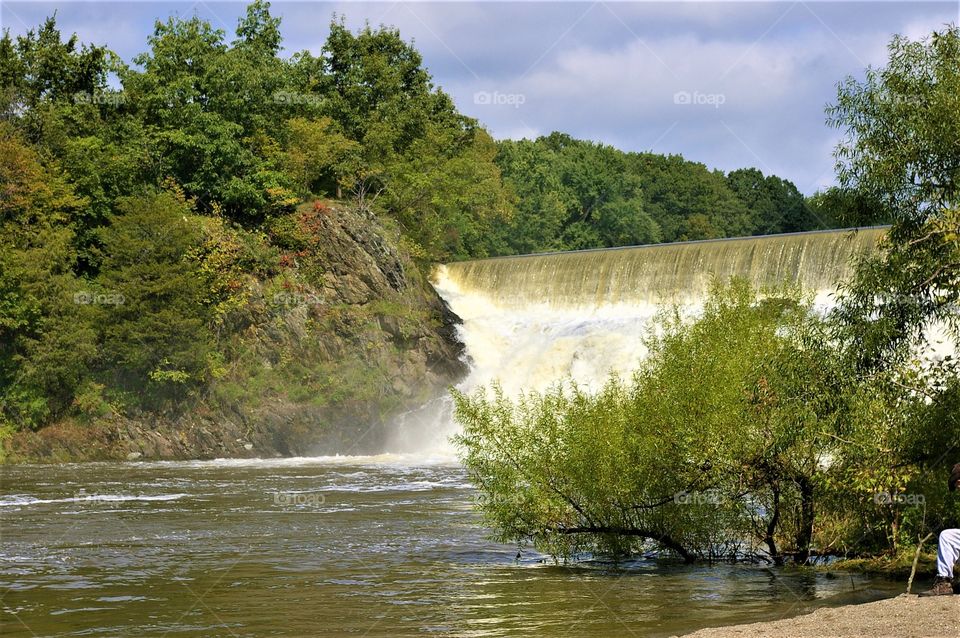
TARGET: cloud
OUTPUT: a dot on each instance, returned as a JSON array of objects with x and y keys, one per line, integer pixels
[{"x": 758, "y": 74}]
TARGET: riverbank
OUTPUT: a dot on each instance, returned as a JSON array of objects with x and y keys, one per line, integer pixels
[
  {"x": 901, "y": 617},
  {"x": 324, "y": 343}
]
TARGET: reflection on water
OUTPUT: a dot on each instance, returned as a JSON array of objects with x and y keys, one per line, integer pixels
[{"x": 385, "y": 546}]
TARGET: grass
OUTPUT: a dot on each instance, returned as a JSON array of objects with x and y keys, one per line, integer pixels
[{"x": 898, "y": 566}]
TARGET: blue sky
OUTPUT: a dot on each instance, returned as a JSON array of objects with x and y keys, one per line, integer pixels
[{"x": 730, "y": 84}]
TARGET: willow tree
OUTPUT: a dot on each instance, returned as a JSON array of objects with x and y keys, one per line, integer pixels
[
  {"x": 901, "y": 154},
  {"x": 713, "y": 449}
]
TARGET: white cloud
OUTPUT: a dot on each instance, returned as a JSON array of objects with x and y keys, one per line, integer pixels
[{"x": 608, "y": 72}]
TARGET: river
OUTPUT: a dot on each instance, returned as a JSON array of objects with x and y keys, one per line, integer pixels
[{"x": 351, "y": 546}]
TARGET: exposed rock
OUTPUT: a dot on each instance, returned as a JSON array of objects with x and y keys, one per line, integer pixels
[{"x": 370, "y": 333}]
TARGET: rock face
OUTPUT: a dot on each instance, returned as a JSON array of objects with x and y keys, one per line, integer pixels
[{"x": 319, "y": 359}]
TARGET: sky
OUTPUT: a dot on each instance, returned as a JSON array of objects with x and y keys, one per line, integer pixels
[{"x": 729, "y": 84}]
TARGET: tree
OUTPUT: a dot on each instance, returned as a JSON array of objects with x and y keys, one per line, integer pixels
[
  {"x": 543, "y": 203},
  {"x": 571, "y": 195},
  {"x": 676, "y": 190},
  {"x": 842, "y": 207},
  {"x": 776, "y": 204},
  {"x": 46, "y": 342},
  {"x": 902, "y": 149},
  {"x": 899, "y": 159},
  {"x": 40, "y": 68},
  {"x": 318, "y": 157},
  {"x": 211, "y": 113},
  {"x": 902, "y": 123},
  {"x": 379, "y": 92},
  {"x": 716, "y": 447},
  {"x": 157, "y": 342},
  {"x": 448, "y": 202},
  {"x": 624, "y": 223}
]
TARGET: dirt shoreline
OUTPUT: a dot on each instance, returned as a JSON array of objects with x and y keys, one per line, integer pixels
[{"x": 902, "y": 617}]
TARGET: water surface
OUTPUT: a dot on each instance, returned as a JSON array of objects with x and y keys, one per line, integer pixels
[{"x": 377, "y": 546}]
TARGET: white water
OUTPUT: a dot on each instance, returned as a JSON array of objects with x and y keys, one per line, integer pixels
[
  {"x": 526, "y": 350},
  {"x": 531, "y": 322}
]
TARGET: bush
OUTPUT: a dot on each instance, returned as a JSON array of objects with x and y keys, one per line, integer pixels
[{"x": 742, "y": 435}]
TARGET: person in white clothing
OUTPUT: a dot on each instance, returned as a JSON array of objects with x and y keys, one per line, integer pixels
[{"x": 948, "y": 552}]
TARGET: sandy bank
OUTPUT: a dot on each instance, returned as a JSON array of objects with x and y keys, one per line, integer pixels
[{"x": 900, "y": 617}]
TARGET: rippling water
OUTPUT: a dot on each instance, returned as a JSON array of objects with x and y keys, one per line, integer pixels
[{"x": 377, "y": 546}]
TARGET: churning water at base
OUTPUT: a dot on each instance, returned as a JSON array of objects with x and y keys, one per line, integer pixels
[
  {"x": 372, "y": 546},
  {"x": 531, "y": 321}
]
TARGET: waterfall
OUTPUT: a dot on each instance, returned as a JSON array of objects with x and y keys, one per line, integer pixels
[
  {"x": 591, "y": 279},
  {"x": 533, "y": 320}
]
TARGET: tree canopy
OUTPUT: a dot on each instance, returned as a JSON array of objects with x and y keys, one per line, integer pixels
[
  {"x": 901, "y": 150},
  {"x": 743, "y": 435}
]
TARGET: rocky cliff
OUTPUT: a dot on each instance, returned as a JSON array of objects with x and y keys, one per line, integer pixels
[{"x": 344, "y": 333}]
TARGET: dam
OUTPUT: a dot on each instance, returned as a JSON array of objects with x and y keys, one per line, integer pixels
[
  {"x": 658, "y": 273},
  {"x": 532, "y": 321}
]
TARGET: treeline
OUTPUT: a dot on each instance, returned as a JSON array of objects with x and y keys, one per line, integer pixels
[
  {"x": 572, "y": 194},
  {"x": 762, "y": 429}
]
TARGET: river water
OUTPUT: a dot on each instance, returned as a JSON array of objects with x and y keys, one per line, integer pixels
[{"x": 352, "y": 546}]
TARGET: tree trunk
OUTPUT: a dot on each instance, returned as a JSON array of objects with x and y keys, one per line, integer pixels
[
  {"x": 805, "y": 534},
  {"x": 664, "y": 539},
  {"x": 772, "y": 528}
]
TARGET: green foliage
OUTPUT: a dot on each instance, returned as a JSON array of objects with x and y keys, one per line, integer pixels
[
  {"x": 573, "y": 194},
  {"x": 39, "y": 68},
  {"x": 775, "y": 204},
  {"x": 902, "y": 149},
  {"x": 743, "y": 434},
  {"x": 156, "y": 319},
  {"x": 901, "y": 126},
  {"x": 671, "y": 458},
  {"x": 838, "y": 207},
  {"x": 318, "y": 158},
  {"x": 45, "y": 337},
  {"x": 689, "y": 201},
  {"x": 449, "y": 203},
  {"x": 211, "y": 113}
]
